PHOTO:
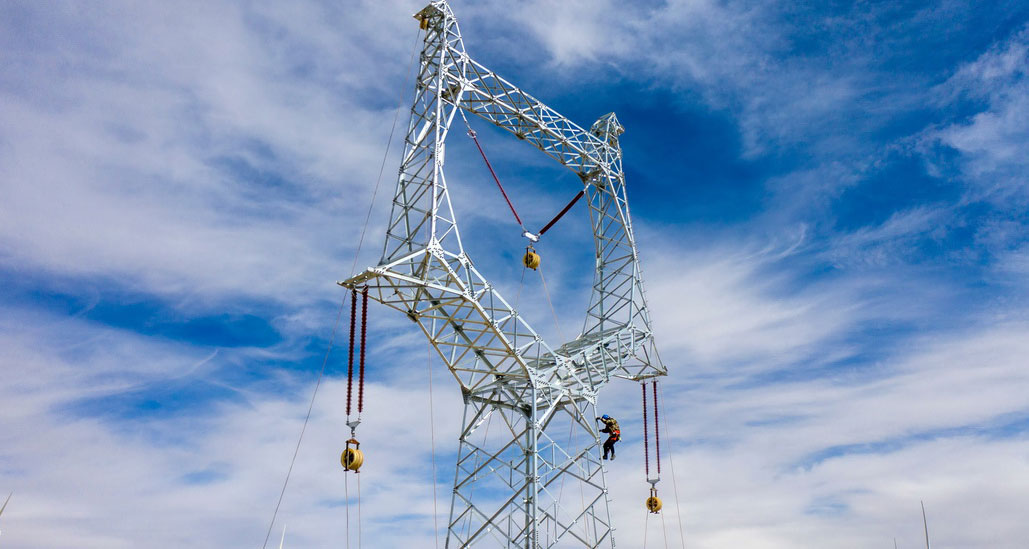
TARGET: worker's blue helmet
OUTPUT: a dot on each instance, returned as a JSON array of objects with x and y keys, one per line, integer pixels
[{"x": 605, "y": 416}]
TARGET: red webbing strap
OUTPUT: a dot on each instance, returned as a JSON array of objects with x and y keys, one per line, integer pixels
[
  {"x": 350, "y": 357},
  {"x": 364, "y": 332},
  {"x": 646, "y": 448},
  {"x": 657, "y": 433},
  {"x": 471, "y": 133},
  {"x": 563, "y": 212}
]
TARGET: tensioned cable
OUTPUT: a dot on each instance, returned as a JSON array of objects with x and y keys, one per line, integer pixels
[
  {"x": 546, "y": 293},
  {"x": 664, "y": 530},
  {"x": 346, "y": 497},
  {"x": 332, "y": 337},
  {"x": 675, "y": 489},
  {"x": 432, "y": 440},
  {"x": 359, "y": 511},
  {"x": 678, "y": 514},
  {"x": 646, "y": 528},
  {"x": 307, "y": 417}
]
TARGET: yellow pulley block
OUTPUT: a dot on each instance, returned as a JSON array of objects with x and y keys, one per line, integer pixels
[
  {"x": 531, "y": 259},
  {"x": 653, "y": 502},
  {"x": 352, "y": 458}
]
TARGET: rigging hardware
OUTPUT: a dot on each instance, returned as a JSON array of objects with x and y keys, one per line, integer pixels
[{"x": 352, "y": 457}]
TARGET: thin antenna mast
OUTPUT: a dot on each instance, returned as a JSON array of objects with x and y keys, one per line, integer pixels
[
  {"x": 925, "y": 524},
  {"x": 4, "y": 506}
]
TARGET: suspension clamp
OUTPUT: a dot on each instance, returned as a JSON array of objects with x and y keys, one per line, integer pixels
[{"x": 353, "y": 427}]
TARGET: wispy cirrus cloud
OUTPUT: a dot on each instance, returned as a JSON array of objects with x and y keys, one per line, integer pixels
[
  {"x": 991, "y": 140},
  {"x": 843, "y": 325}
]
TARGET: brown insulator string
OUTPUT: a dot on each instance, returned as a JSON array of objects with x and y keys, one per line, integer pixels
[
  {"x": 350, "y": 357},
  {"x": 364, "y": 333},
  {"x": 657, "y": 433},
  {"x": 646, "y": 446}
]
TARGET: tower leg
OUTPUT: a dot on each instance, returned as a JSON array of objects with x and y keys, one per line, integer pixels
[{"x": 528, "y": 480}]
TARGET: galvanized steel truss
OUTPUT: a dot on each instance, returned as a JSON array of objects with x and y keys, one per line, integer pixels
[{"x": 521, "y": 395}]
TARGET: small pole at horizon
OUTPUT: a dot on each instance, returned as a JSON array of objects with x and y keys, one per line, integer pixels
[{"x": 925, "y": 524}]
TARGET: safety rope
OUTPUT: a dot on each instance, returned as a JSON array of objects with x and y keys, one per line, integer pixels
[{"x": 646, "y": 433}]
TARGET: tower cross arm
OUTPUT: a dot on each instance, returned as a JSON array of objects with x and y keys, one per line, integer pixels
[{"x": 491, "y": 97}]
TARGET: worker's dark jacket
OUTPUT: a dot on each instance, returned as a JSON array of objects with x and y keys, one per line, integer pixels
[{"x": 611, "y": 427}]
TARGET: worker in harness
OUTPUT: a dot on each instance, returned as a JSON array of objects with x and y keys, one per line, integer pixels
[{"x": 613, "y": 434}]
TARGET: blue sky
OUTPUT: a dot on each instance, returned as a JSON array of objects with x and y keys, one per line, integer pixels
[{"x": 831, "y": 207}]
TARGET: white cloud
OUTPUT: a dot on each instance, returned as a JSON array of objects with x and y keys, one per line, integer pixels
[
  {"x": 113, "y": 172},
  {"x": 991, "y": 142},
  {"x": 116, "y": 151}
]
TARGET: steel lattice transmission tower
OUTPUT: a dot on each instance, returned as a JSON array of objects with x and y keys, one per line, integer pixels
[{"x": 528, "y": 472}]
